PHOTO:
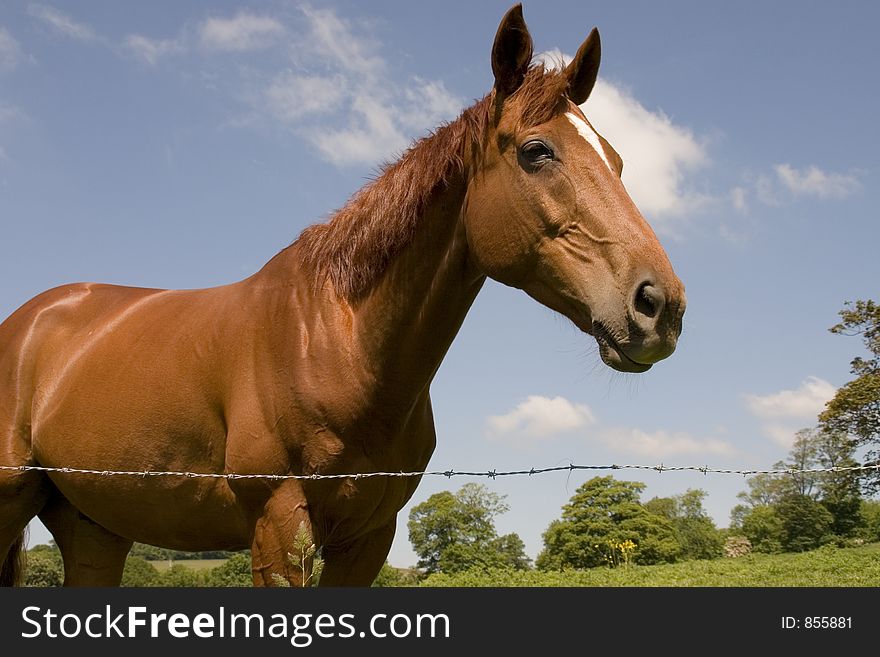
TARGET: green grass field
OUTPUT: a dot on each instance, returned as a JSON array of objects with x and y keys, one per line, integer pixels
[
  {"x": 827, "y": 566},
  {"x": 195, "y": 564}
]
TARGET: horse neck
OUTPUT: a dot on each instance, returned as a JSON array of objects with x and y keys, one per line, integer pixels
[{"x": 405, "y": 324}]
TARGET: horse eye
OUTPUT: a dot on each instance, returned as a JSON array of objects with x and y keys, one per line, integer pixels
[{"x": 534, "y": 153}]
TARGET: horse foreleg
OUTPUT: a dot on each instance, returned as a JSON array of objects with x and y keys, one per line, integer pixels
[
  {"x": 282, "y": 535},
  {"x": 358, "y": 562},
  {"x": 93, "y": 556}
]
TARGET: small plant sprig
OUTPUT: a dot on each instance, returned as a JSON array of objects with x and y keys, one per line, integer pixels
[{"x": 304, "y": 550}]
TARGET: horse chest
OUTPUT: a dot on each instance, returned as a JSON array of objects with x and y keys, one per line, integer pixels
[{"x": 350, "y": 506}]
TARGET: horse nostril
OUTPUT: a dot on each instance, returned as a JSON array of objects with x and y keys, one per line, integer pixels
[{"x": 649, "y": 300}]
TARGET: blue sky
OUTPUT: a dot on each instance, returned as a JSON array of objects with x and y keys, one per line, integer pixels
[{"x": 183, "y": 144}]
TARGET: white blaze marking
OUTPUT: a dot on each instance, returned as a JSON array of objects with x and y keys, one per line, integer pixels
[{"x": 585, "y": 131}]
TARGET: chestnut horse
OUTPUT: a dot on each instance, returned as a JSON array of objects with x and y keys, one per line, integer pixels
[{"x": 321, "y": 362}]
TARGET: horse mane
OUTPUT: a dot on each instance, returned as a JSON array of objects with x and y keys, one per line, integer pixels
[{"x": 354, "y": 247}]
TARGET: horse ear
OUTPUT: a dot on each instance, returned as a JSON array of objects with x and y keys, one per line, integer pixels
[
  {"x": 584, "y": 68},
  {"x": 511, "y": 52}
]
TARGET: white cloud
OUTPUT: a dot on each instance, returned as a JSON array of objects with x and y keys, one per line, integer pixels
[
  {"x": 242, "y": 32},
  {"x": 767, "y": 191},
  {"x": 787, "y": 411},
  {"x": 62, "y": 23},
  {"x": 339, "y": 75},
  {"x": 151, "y": 50},
  {"x": 144, "y": 48},
  {"x": 10, "y": 51},
  {"x": 781, "y": 434},
  {"x": 541, "y": 417},
  {"x": 661, "y": 444},
  {"x": 812, "y": 181},
  {"x": 428, "y": 102},
  {"x": 803, "y": 403},
  {"x": 658, "y": 154},
  {"x": 786, "y": 183},
  {"x": 739, "y": 198},
  {"x": 292, "y": 96},
  {"x": 372, "y": 134},
  {"x": 337, "y": 42},
  {"x": 553, "y": 58}
]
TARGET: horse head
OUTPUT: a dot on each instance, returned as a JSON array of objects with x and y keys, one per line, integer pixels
[{"x": 547, "y": 212}]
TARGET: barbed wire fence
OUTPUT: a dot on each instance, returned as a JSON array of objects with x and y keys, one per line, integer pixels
[{"x": 491, "y": 474}]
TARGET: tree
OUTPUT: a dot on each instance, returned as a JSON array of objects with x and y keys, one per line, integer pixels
[
  {"x": 236, "y": 572},
  {"x": 694, "y": 529},
  {"x": 756, "y": 517},
  {"x": 840, "y": 490},
  {"x": 512, "y": 551},
  {"x": 390, "y": 576},
  {"x": 764, "y": 489},
  {"x": 43, "y": 566},
  {"x": 179, "y": 576},
  {"x": 604, "y": 512},
  {"x": 806, "y": 524},
  {"x": 855, "y": 407},
  {"x": 452, "y": 532},
  {"x": 791, "y": 511},
  {"x": 140, "y": 572},
  {"x": 761, "y": 525},
  {"x": 150, "y": 552},
  {"x": 801, "y": 457},
  {"x": 153, "y": 553},
  {"x": 871, "y": 515}
]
